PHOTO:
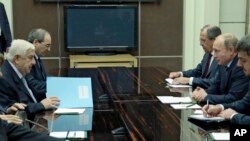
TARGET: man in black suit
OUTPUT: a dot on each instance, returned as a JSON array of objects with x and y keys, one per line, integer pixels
[
  {"x": 41, "y": 39},
  {"x": 230, "y": 83},
  {"x": 14, "y": 87},
  {"x": 241, "y": 111},
  {"x": 205, "y": 71},
  {"x": 13, "y": 132},
  {"x": 5, "y": 34}
]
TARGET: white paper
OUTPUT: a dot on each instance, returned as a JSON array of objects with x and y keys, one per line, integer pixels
[
  {"x": 185, "y": 106},
  {"x": 220, "y": 136},
  {"x": 202, "y": 117},
  {"x": 169, "y": 80},
  {"x": 171, "y": 99},
  {"x": 198, "y": 112},
  {"x": 59, "y": 134},
  {"x": 179, "y": 86},
  {"x": 70, "y": 134},
  {"x": 77, "y": 134},
  {"x": 69, "y": 111}
]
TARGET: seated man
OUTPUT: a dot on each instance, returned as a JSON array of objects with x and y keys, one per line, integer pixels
[
  {"x": 41, "y": 40},
  {"x": 13, "y": 132},
  {"x": 230, "y": 83},
  {"x": 14, "y": 88},
  {"x": 204, "y": 73},
  {"x": 241, "y": 111}
]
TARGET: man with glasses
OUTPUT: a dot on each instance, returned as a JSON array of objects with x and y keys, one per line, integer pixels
[{"x": 41, "y": 39}]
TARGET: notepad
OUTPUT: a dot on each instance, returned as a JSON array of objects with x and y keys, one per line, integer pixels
[
  {"x": 69, "y": 111},
  {"x": 70, "y": 134},
  {"x": 169, "y": 80},
  {"x": 202, "y": 117},
  {"x": 220, "y": 136},
  {"x": 170, "y": 84},
  {"x": 171, "y": 99},
  {"x": 185, "y": 106}
]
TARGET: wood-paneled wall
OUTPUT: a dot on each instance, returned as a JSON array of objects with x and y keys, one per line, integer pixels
[{"x": 161, "y": 32}]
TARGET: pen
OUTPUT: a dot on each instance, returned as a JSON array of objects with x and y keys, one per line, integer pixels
[
  {"x": 190, "y": 105},
  {"x": 207, "y": 106}
]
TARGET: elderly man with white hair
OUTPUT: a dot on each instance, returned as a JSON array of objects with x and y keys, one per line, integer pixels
[{"x": 14, "y": 90}]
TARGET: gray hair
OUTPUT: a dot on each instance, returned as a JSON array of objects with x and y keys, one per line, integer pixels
[
  {"x": 38, "y": 34},
  {"x": 18, "y": 47},
  {"x": 244, "y": 44},
  {"x": 230, "y": 40},
  {"x": 212, "y": 31}
]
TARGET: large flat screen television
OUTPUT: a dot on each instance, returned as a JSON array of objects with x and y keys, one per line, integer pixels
[{"x": 101, "y": 28}]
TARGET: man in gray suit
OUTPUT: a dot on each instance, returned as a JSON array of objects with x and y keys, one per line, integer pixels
[{"x": 205, "y": 71}]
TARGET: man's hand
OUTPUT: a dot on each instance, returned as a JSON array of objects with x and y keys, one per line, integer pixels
[
  {"x": 15, "y": 107},
  {"x": 181, "y": 80},
  {"x": 211, "y": 110},
  {"x": 227, "y": 113},
  {"x": 199, "y": 94},
  {"x": 174, "y": 74},
  {"x": 50, "y": 103},
  {"x": 11, "y": 119}
]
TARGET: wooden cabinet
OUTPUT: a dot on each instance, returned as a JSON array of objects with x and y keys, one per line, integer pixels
[{"x": 89, "y": 61}]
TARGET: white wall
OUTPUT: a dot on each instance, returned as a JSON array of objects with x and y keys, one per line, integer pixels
[
  {"x": 197, "y": 13},
  {"x": 229, "y": 15}
]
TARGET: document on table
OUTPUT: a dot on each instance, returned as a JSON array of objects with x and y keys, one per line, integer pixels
[
  {"x": 69, "y": 134},
  {"x": 186, "y": 106},
  {"x": 202, "y": 117},
  {"x": 220, "y": 136},
  {"x": 69, "y": 111},
  {"x": 170, "y": 84},
  {"x": 171, "y": 99},
  {"x": 198, "y": 112}
]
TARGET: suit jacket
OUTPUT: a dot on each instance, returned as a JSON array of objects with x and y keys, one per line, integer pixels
[
  {"x": 13, "y": 90},
  {"x": 241, "y": 119},
  {"x": 242, "y": 105},
  {"x": 5, "y": 38},
  {"x": 12, "y": 132},
  {"x": 200, "y": 79},
  {"x": 230, "y": 84},
  {"x": 37, "y": 79}
]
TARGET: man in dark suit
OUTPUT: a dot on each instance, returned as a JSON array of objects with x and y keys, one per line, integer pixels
[
  {"x": 41, "y": 39},
  {"x": 5, "y": 34},
  {"x": 241, "y": 111},
  {"x": 205, "y": 71},
  {"x": 230, "y": 83},
  {"x": 13, "y": 132},
  {"x": 20, "y": 59}
]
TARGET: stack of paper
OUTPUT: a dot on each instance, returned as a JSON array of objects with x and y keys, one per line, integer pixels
[
  {"x": 69, "y": 111},
  {"x": 202, "y": 117},
  {"x": 220, "y": 136},
  {"x": 185, "y": 106},
  {"x": 171, "y": 99},
  {"x": 170, "y": 84},
  {"x": 69, "y": 134}
]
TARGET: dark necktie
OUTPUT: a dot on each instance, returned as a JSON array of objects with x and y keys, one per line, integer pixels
[
  {"x": 207, "y": 65},
  {"x": 41, "y": 67}
]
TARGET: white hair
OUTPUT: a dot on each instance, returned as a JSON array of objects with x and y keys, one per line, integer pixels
[{"x": 19, "y": 47}]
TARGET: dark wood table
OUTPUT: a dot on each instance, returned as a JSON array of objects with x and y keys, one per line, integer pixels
[{"x": 126, "y": 107}]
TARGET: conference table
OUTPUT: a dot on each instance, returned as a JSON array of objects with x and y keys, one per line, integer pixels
[{"x": 126, "y": 107}]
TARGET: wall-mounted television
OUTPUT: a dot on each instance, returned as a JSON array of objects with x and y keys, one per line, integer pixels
[{"x": 101, "y": 28}]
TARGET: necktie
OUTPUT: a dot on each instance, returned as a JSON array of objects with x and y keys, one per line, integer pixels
[
  {"x": 207, "y": 65},
  {"x": 27, "y": 87},
  {"x": 39, "y": 62}
]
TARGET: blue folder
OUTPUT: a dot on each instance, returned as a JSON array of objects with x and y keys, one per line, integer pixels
[{"x": 73, "y": 92}]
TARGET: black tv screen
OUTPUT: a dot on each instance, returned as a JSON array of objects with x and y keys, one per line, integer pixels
[{"x": 95, "y": 28}]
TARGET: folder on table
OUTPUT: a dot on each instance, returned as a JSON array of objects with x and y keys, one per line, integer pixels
[{"x": 73, "y": 92}]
